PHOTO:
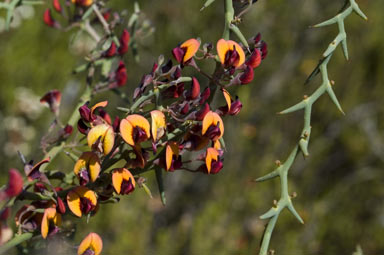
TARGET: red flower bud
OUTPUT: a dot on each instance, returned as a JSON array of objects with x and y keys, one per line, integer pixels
[
  {"x": 106, "y": 15},
  {"x": 84, "y": 129},
  {"x": 205, "y": 95},
  {"x": 57, "y": 6},
  {"x": 247, "y": 76},
  {"x": 195, "y": 90},
  {"x": 255, "y": 59},
  {"x": 68, "y": 130},
  {"x": 264, "y": 50},
  {"x": 85, "y": 113},
  {"x": 116, "y": 124},
  {"x": 15, "y": 183},
  {"x": 201, "y": 114},
  {"x": 124, "y": 42},
  {"x": 121, "y": 74},
  {"x": 60, "y": 206},
  {"x": 257, "y": 38},
  {"x": 105, "y": 116},
  {"x": 185, "y": 109},
  {"x": 48, "y": 20},
  {"x": 178, "y": 54},
  {"x": 111, "y": 51}
]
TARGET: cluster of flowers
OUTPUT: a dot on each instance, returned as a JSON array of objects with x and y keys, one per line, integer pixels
[{"x": 170, "y": 117}]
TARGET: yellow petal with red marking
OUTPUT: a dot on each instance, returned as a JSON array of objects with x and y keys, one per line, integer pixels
[
  {"x": 158, "y": 123},
  {"x": 93, "y": 242},
  {"x": 212, "y": 154},
  {"x": 91, "y": 162},
  {"x": 224, "y": 46},
  {"x": 105, "y": 134},
  {"x": 73, "y": 199},
  {"x": 227, "y": 97},
  {"x": 191, "y": 46},
  {"x": 119, "y": 175},
  {"x": 172, "y": 149},
  {"x": 128, "y": 124},
  {"x": 212, "y": 118},
  {"x": 50, "y": 215}
]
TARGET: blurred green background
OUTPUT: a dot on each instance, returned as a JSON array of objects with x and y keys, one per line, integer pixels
[{"x": 340, "y": 191}]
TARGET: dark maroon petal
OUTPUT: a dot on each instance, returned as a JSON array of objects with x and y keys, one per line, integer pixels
[
  {"x": 103, "y": 114},
  {"x": 213, "y": 132},
  {"x": 85, "y": 113},
  {"x": 139, "y": 135},
  {"x": 82, "y": 127},
  {"x": 205, "y": 95},
  {"x": 264, "y": 50},
  {"x": 247, "y": 76},
  {"x": 39, "y": 187},
  {"x": 53, "y": 99},
  {"x": 86, "y": 205},
  {"x": 235, "y": 107},
  {"x": 5, "y": 214},
  {"x": 165, "y": 68},
  {"x": 185, "y": 109},
  {"x": 178, "y": 54},
  {"x": 216, "y": 166},
  {"x": 126, "y": 187},
  {"x": 88, "y": 252},
  {"x": 84, "y": 177},
  {"x": 257, "y": 38},
  {"x": 116, "y": 124},
  {"x": 177, "y": 73},
  {"x": 203, "y": 111},
  {"x": 124, "y": 42},
  {"x": 15, "y": 183}
]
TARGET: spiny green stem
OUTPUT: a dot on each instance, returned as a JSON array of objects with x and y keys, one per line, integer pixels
[{"x": 306, "y": 105}]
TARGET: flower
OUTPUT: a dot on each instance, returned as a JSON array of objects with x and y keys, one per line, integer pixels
[
  {"x": 50, "y": 223},
  {"x": 81, "y": 200},
  {"x": 53, "y": 99},
  {"x": 158, "y": 124},
  {"x": 212, "y": 161},
  {"x": 101, "y": 138},
  {"x": 186, "y": 50},
  {"x": 111, "y": 51},
  {"x": 33, "y": 171},
  {"x": 124, "y": 42},
  {"x": 195, "y": 90},
  {"x": 230, "y": 53},
  {"x": 15, "y": 184},
  {"x": 134, "y": 129},
  {"x": 123, "y": 181},
  {"x": 255, "y": 59},
  {"x": 172, "y": 157},
  {"x": 91, "y": 245},
  {"x": 87, "y": 167},
  {"x": 247, "y": 76},
  {"x": 83, "y": 3},
  {"x": 213, "y": 126},
  {"x": 48, "y": 19}
]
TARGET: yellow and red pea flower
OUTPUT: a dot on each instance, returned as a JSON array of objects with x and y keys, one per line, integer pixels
[
  {"x": 135, "y": 129},
  {"x": 33, "y": 171},
  {"x": 50, "y": 223},
  {"x": 213, "y": 126},
  {"x": 186, "y": 51},
  {"x": 84, "y": 3},
  {"x": 213, "y": 163},
  {"x": 230, "y": 53},
  {"x": 87, "y": 167},
  {"x": 172, "y": 156},
  {"x": 123, "y": 181},
  {"x": 81, "y": 200},
  {"x": 91, "y": 245},
  {"x": 101, "y": 138},
  {"x": 158, "y": 124}
]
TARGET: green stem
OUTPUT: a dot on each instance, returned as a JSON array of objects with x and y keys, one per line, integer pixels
[{"x": 15, "y": 241}]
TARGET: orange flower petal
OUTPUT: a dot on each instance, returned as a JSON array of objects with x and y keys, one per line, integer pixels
[
  {"x": 106, "y": 135},
  {"x": 191, "y": 46},
  {"x": 212, "y": 154},
  {"x": 139, "y": 121},
  {"x": 100, "y": 104},
  {"x": 91, "y": 241},
  {"x": 73, "y": 199},
  {"x": 227, "y": 97},
  {"x": 50, "y": 214},
  {"x": 128, "y": 124},
  {"x": 217, "y": 145},
  {"x": 207, "y": 122},
  {"x": 119, "y": 175},
  {"x": 172, "y": 149},
  {"x": 158, "y": 123},
  {"x": 224, "y": 46}
]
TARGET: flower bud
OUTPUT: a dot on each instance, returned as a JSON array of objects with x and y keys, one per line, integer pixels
[
  {"x": 85, "y": 113},
  {"x": 48, "y": 20},
  {"x": 15, "y": 183},
  {"x": 121, "y": 74},
  {"x": 205, "y": 95},
  {"x": 111, "y": 51},
  {"x": 247, "y": 76},
  {"x": 203, "y": 111},
  {"x": 84, "y": 129},
  {"x": 53, "y": 99},
  {"x": 124, "y": 42},
  {"x": 264, "y": 50},
  {"x": 60, "y": 205},
  {"x": 195, "y": 90},
  {"x": 255, "y": 59},
  {"x": 57, "y": 6},
  {"x": 235, "y": 107}
]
